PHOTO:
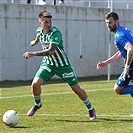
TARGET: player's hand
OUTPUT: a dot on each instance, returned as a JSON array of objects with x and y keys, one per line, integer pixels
[
  {"x": 126, "y": 73},
  {"x": 28, "y": 55},
  {"x": 32, "y": 43},
  {"x": 101, "y": 64}
]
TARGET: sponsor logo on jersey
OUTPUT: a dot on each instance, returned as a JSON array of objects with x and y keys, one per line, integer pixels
[{"x": 68, "y": 75}]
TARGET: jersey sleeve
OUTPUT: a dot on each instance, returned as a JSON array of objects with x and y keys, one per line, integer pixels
[
  {"x": 122, "y": 39},
  {"x": 38, "y": 31},
  {"x": 56, "y": 37}
]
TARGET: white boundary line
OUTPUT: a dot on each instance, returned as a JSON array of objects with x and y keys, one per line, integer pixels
[
  {"x": 58, "y": 93},
  {"x": 79, "y": 115}
]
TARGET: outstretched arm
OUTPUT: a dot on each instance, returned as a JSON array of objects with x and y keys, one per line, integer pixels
[
  {"x": 49, "y": 51},
  {"x": 113, "y": 58}
]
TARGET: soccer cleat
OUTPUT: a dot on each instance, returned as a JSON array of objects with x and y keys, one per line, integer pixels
[
  {"x": 92, "y": 114},
  {"x": 33, "y": 110}
]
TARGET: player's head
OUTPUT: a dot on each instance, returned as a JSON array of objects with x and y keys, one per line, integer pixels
[
  {"x": 45, "y": 20},
  {"x": 112, "y": 21}
]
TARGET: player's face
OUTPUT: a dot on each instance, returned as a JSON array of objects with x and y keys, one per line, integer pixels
[
  {"x": 111, "y": 24},
  {"x": 46, "y": 24}
]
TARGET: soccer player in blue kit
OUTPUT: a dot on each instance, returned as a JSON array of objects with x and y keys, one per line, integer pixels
[{"x": 124, "y": 43}]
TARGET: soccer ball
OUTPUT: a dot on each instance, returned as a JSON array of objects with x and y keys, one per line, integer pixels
[{"x": 11, "y": 118}]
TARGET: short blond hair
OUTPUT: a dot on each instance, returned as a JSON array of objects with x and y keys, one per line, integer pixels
[{"x": 44, "y": 14}]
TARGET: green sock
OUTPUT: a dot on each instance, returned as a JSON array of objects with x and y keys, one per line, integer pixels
[
  {"x": 88, "y": 104},
  {"x": 37, "y": 99}
]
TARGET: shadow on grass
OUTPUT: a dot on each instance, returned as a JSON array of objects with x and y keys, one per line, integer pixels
[
  {"x": 20, "y": 127},
  {"x": 10, "y": 84},
  {"x": 72, "y": 120},
  {"x": 115, "y": 120},
  {"x": 99, "y": 120}
]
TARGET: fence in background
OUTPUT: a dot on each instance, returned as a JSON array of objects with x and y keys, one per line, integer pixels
[{"x": 117, "y": 4}]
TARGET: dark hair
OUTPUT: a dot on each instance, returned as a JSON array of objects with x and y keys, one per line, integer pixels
[
  {"x": 113, "y": 15},
  {"x": 44, "y": 14}
]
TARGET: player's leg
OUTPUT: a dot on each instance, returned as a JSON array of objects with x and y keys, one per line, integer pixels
[
  {"x": 122, "y": 87},
  {"x": 117, "y": 89},
  {"x": 68, "y": 75},
  {"x": 43, "y": 74},
  {"x": 83, "y": 96},
  {"x": 80, "y": 92},
  {"x": 36, "y": 91},
  {"x": 128, "y": 90}
]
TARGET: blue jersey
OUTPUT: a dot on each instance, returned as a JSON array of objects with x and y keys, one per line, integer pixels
[{"x": 122, "y": 36}]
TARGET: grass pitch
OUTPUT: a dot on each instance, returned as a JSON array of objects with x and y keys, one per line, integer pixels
[{"x": 64, "y": 112}]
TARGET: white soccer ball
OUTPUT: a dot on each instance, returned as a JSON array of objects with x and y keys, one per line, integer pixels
[{"x": 11, "y": 118}]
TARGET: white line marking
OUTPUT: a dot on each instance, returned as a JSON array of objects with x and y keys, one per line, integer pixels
[
  {"x": 58, "y": 93},
  {"x": 79, "y": 115}
]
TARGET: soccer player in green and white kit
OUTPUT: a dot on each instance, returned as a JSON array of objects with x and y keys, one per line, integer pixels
[{"x": 55, "y": 61}]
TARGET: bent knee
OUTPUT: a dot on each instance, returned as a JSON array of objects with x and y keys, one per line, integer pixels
[
  {"x": 34, "y": 84},
  {"x": 37, "y": 82},
  {"x": 118, "y": 90}
]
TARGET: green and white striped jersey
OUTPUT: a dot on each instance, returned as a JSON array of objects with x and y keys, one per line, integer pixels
[{"x": 59, "y": 59}]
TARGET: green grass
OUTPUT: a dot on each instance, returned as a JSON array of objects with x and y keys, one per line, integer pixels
[{"x": 63, "y": 111}]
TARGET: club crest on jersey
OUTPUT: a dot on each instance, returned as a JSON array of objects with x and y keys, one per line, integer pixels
[{"x": 56, "y": 38}]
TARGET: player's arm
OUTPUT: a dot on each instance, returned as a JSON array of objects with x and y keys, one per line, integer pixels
[
  {"x": 55, "y": 40},
  {"x": 129, "y": 49},
  {"x": 34, "y": 42},
  {"x": 49, "y": 51},
  {"x": 113, "y": 58}
]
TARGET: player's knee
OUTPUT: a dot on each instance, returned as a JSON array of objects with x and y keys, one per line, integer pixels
[
  {"x": 117, "y": 91},
  {"x": 34, "y": 85}
]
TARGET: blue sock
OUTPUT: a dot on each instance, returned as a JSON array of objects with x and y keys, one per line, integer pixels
[{"x": 128, "y": 90}]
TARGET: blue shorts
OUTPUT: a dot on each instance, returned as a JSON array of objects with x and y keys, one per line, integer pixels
[{"x": 121, "y": 82}]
